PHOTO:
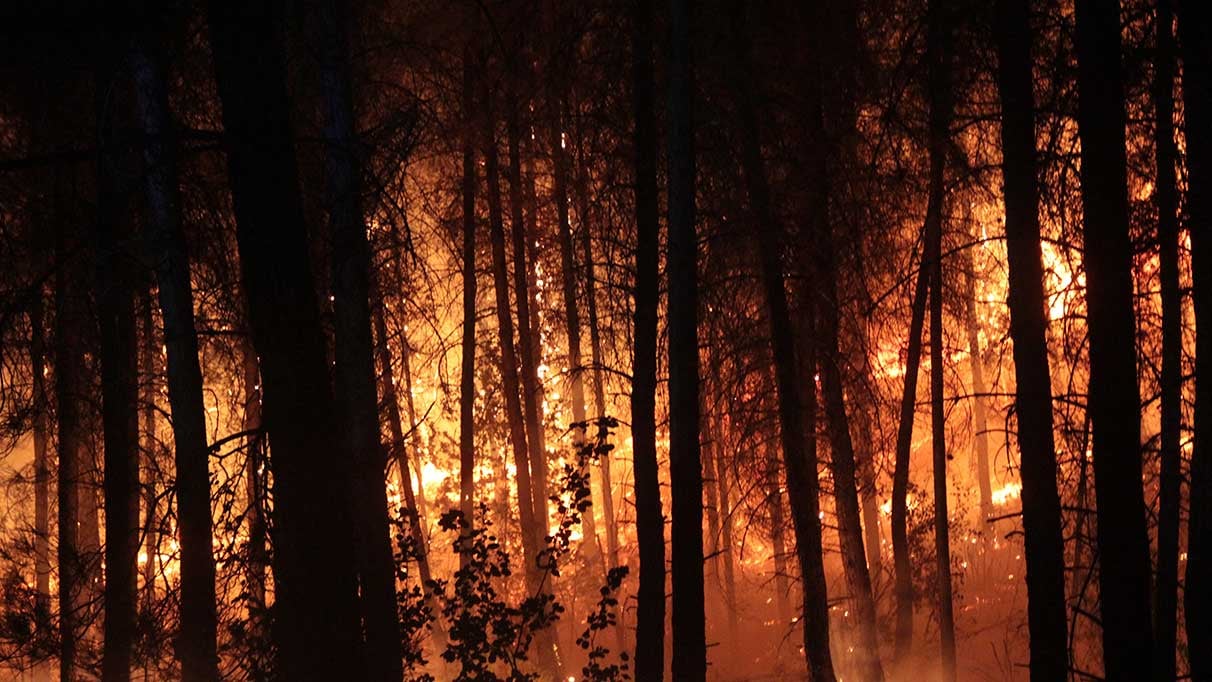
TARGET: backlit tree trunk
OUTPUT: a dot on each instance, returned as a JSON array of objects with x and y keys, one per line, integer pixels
[
  {"x": 798, "y": 458},
  {"x": 938, "y": 84},
  {"x": 1045, "y": 556},
  {"x": 1195, "y": 36},
  {"x": 467, "y": 380},
  {"x": 317, "y": 628},
  {"x": 356, "y": 397},
  {"x": 196, "y": 645},
  {"x": 1114, "y": 397},
  {"x": 1165, "y": 614},
  {"x": 649, "y": 520},
  {"x": 685, "y": 465},
  {"x": 115, "y": 305}
]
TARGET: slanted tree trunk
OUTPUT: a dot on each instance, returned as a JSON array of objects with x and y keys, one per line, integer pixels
[
  {"x": 1195, "y": 36},
  {"x": 115, "y": 304},
  {"x": 827, "y": 314},
  {"x": 399, "y": 446},
  {"x": 649, "y": 521},
  {"x": 356, "y": 397},
  {"x": 1114, "y": 396},
  {"x": 317, "y": 628},
  {"x": 196, "y": 644},
  {"x": 1165, "y": 614},
  {"x": 799, "y": 459},
  {"x": 938, "y": 86},
  {"x": 845, "y": 479},
  {"x": 467, "y": 381},
  {"x": 1044, "y": 545},
  {"x": 720, "y": 473},
  {"x": 532, "y": 534},
  {"x": 900, "y": 476}
]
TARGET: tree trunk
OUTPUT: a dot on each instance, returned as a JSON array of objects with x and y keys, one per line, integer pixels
[
  {"x": 1170, "y": 495},
  {"x": 938, "y": 84},
  {"x": 1114, "y": 396},
  {"x": 595, "y": 349},
  {"x": 258, "y": 555},
  {"x": 356, "y": 397},
  {"x": 778, "y": 545},
  {"x": 798, "y": 458},
  {"x": 115, "y": 304},
  {"x": 527, "y": 341},
  {"x": 649, "y": 520},
  {"x": 467, "y": 381},
  {"x": 900, "y": 476},
  {"x": 399, "y": 445},
  {"x": 532, "y": 534},
  {"x": 845, "y": 483},
  {"x": 1045, "y": 550},
  {"x": 1195, "y": 36},
  {"x": 147, "y": 416},
  {"x": 317, "y": 627},
  {"x": 70, "y": 370},
  {"x": 41, "y": 405},
  {"x": 196, "y": 644},
  {"x": 685, "y": 466},
  {"x": 827, "y": 313},
  {"x": 980, "y": 422}
]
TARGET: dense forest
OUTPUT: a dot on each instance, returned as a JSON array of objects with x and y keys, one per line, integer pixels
[{"x": 604, "y": 340}]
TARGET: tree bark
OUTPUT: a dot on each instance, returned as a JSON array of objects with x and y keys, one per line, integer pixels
[
  {"x": 532, "y": 534},
  {"x": 1195, "y": 36},
  {"x": 649, "y": 520},
  {"x": 70, "y": 370},
  {"x": 41, "y": 405},
  {"x": 689, "y": 660},
  {"x": 115, "y": 305},
  {"x": 527, "y": 342},
  {"x": 196, "y": 644},
  {"x": 1114, "y": 396},
  {"x": 356, "y": 397},
  {"x": 827, "y": 313},
  {"x": 799, "y": 459},
  {"x": 1044, "y": 544},
  {"x": 317, "y": 628},
  {"x": 467, "y": 381},
  {"x": 938, "y": 58},
  {"x": 900, "y": 476},
  {"x": 980, "y": 421},
  {"x": 1170, "y": 493}
]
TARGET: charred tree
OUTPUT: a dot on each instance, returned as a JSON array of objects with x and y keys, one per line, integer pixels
[
  {"x": 467, "y": 381},
  {"x": 1114, "y": 401},
  {"x": 1195, "y": 36},
  {"x": 1165, "y": 609},
  {"x": 527, "y": 341},
  {"x": 903, "y": 570},
  {"x": 1045, "y": 555},
  {"x": 532, "y": 534},
  {"x": 196, "y": 644},
  {"x": 798, "y": 458},
  {"x": 938, "y": 85},
  {"x": 356, "y": 395},
  {"x": 649, "y": 521},
  {"x": 827, "y": 314},
  {"x": 317, "y": 628},
  {"x": 115, "y": 305},
  {"x": 685, "y": 465},
  {"x": 41, "y": 406}
]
